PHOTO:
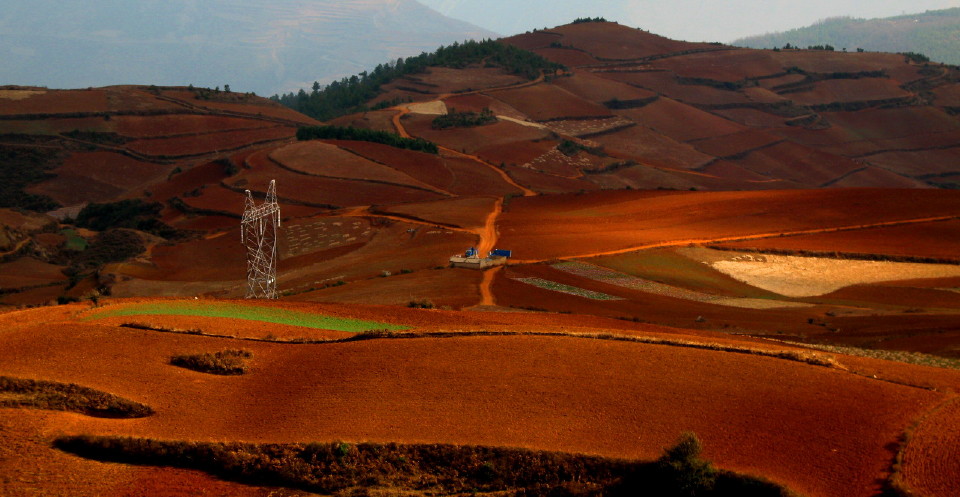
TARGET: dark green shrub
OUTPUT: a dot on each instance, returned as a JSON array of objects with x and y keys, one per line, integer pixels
[{"x": 370, "y": 135}]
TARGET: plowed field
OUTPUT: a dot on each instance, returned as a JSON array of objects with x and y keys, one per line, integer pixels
[
  {"x": 594, "y": 224},
  {"x": 930, "y": 464},
  {"x": 818, "y": 430}
]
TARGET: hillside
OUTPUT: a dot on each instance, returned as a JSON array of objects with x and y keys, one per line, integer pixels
[
  {"x": 252, "y": 46},
  {"x": 932, "y": 33},
  {"x": 757, "y": 246},
  {"x": 630, "y": 124}
]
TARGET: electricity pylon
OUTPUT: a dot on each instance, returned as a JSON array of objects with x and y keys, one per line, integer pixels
[{"x": 259, "y": 234}]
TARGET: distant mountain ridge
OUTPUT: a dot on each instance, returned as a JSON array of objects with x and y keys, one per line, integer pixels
[
  {"x": 252, "y": 46},
  {"x": 935, "y": 33}
]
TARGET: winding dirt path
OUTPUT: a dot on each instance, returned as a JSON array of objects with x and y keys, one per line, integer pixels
[
  {"x": 488, "y": 235},
  {"x": 486, "y": 286}
]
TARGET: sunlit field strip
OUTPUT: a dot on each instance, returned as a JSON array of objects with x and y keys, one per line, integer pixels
[{"x": 248, "y": 312}]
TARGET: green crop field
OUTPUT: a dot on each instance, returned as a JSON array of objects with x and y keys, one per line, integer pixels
[{"x": 249, "y": 312}]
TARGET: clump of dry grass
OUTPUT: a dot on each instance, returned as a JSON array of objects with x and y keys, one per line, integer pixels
[
  {"x": 225, "y": 362},
  {"x": 797, "y": 355},
  {"x": 345, "y": 469},
  {"x": 39, "y": 394}
]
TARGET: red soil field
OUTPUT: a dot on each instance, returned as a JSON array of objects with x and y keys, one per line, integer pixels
[
  {"x": 918, "y": 162},
  {"x": 440, "y": 80},
  {"x": 220, "y": 199},
  {"x": 475, "y": 178},
  {"x": 211, "y": 142},
  {"x": 536, "y": 39},
  {"x": 875, "y": 177},
  {"x": 611, "y": 41},
  {"x": 727, "y": 169},
  {"x": 930, "y": 464},
  {"x": 477, "y": 101},
  {"x": 781, "y": 80},
  {"x": 643, "y": 178},
  {"x": 73, "y": 189},
  {"x": 178, "y": 124},
  {"x": 598, "y": 89},
  {"x": 51, "y": 126},
  {"x": 820, "y": 61},
  {"x": 946, "y": 139},
  {"x": 903, "y": 298},
  {"x": 453, "y": 288},
  {"x": 874, "y": 124},
  {"x": 938, "y": 240},
  {"x": 548, "y": 102},
  {"x": 947, "y": 96},
  {"x": 318, "y": 191},
  {"x": 576, "y": 225},
  {"x": 567, "y": 57},
  {"x": 466, "y": 212},
  {"x": 255, "y": 108},
  {"x": 650, "y": 147},
  {"x": 27, "y": 271},
  {"x": 826, "y": 436},
  {"x": 205, "y": 259},
  {"x": 850, "y": 90},
  {"x": 449, "y": 172},
  {"x": 25, "y": 220},
  {"x": 666, "y": 83},
  {"x": 178, "y": 184},
  {"x": 548, "y": 183},
  {"x": 317, "y": 158},
  {"x": 380, "y": 120},
  {"x": 728, "y": 65},
  {"x": 753, "y": 118},
  {"x": 743, "y": 141},
  {"x": 518, "y": 153},
  {"x": 681, "y": 122},
  {"x": 469, "y": 140},
  {"x": 798, "y": 163},
  {"x": 394, "y": 247},
  {"x": 57, "y": 102},
  {"x": 27, "y": 457},
  {"x": 122, "y": 173}
]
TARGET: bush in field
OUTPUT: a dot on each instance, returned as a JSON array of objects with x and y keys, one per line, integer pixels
[
  {"x": 225, "y": 362},
  {"x": 684, "y": 472}
]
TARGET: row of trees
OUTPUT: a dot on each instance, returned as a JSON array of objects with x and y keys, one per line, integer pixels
[
  {"x": 350, "y": 95},
  {"x": 369, "y": 135},
  {"x": 468, "y": 119}
]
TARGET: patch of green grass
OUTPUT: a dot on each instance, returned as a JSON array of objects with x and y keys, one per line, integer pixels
[
  {"x": 239, "y": 311},
  {"x": 345, "y": 469},
  {"x": 225, "y": 362},
  {"x": 74, "y": 242},
  {"x": 39, "y": 394}
]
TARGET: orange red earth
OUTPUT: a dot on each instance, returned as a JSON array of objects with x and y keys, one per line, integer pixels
[
  {"x": 696, "y": 116},
  {"x": 818, "y": 430}
]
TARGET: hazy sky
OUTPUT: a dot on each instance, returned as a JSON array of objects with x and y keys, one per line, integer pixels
[{"x": 692, "y": 20}]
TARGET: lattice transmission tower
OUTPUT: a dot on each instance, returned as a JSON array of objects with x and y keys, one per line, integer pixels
[{"x": 259, "y": 234}]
